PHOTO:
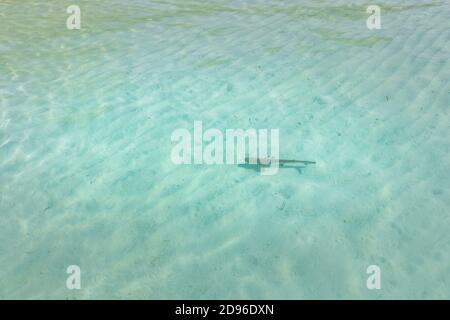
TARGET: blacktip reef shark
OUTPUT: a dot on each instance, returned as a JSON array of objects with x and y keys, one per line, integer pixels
[{"x": 259, "y": 164}]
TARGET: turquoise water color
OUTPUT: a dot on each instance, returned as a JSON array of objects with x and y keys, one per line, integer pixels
[{"x": 86, "y": 176}]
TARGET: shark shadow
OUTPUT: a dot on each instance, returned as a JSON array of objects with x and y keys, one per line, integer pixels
[{"x": 256, "y": 164}]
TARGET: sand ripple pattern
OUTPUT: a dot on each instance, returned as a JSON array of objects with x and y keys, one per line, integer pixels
[{"x": 85, "y": 170}]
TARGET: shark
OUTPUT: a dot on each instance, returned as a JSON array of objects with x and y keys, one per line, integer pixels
[{"x": 258, "y": 163}]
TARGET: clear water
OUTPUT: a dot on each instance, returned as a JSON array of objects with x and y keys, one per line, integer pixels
[{"x": 86, "y": 177}]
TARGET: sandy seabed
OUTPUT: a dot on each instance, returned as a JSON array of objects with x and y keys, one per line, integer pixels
[{"x": 86, "y": 176}]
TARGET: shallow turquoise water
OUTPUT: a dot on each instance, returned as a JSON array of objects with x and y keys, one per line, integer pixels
[{"x": 86, "y": 176}]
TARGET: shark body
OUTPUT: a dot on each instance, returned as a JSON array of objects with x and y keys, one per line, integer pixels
[
  {"x": 263, "y": 162},
  {"x": 260, "y": 164}
]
